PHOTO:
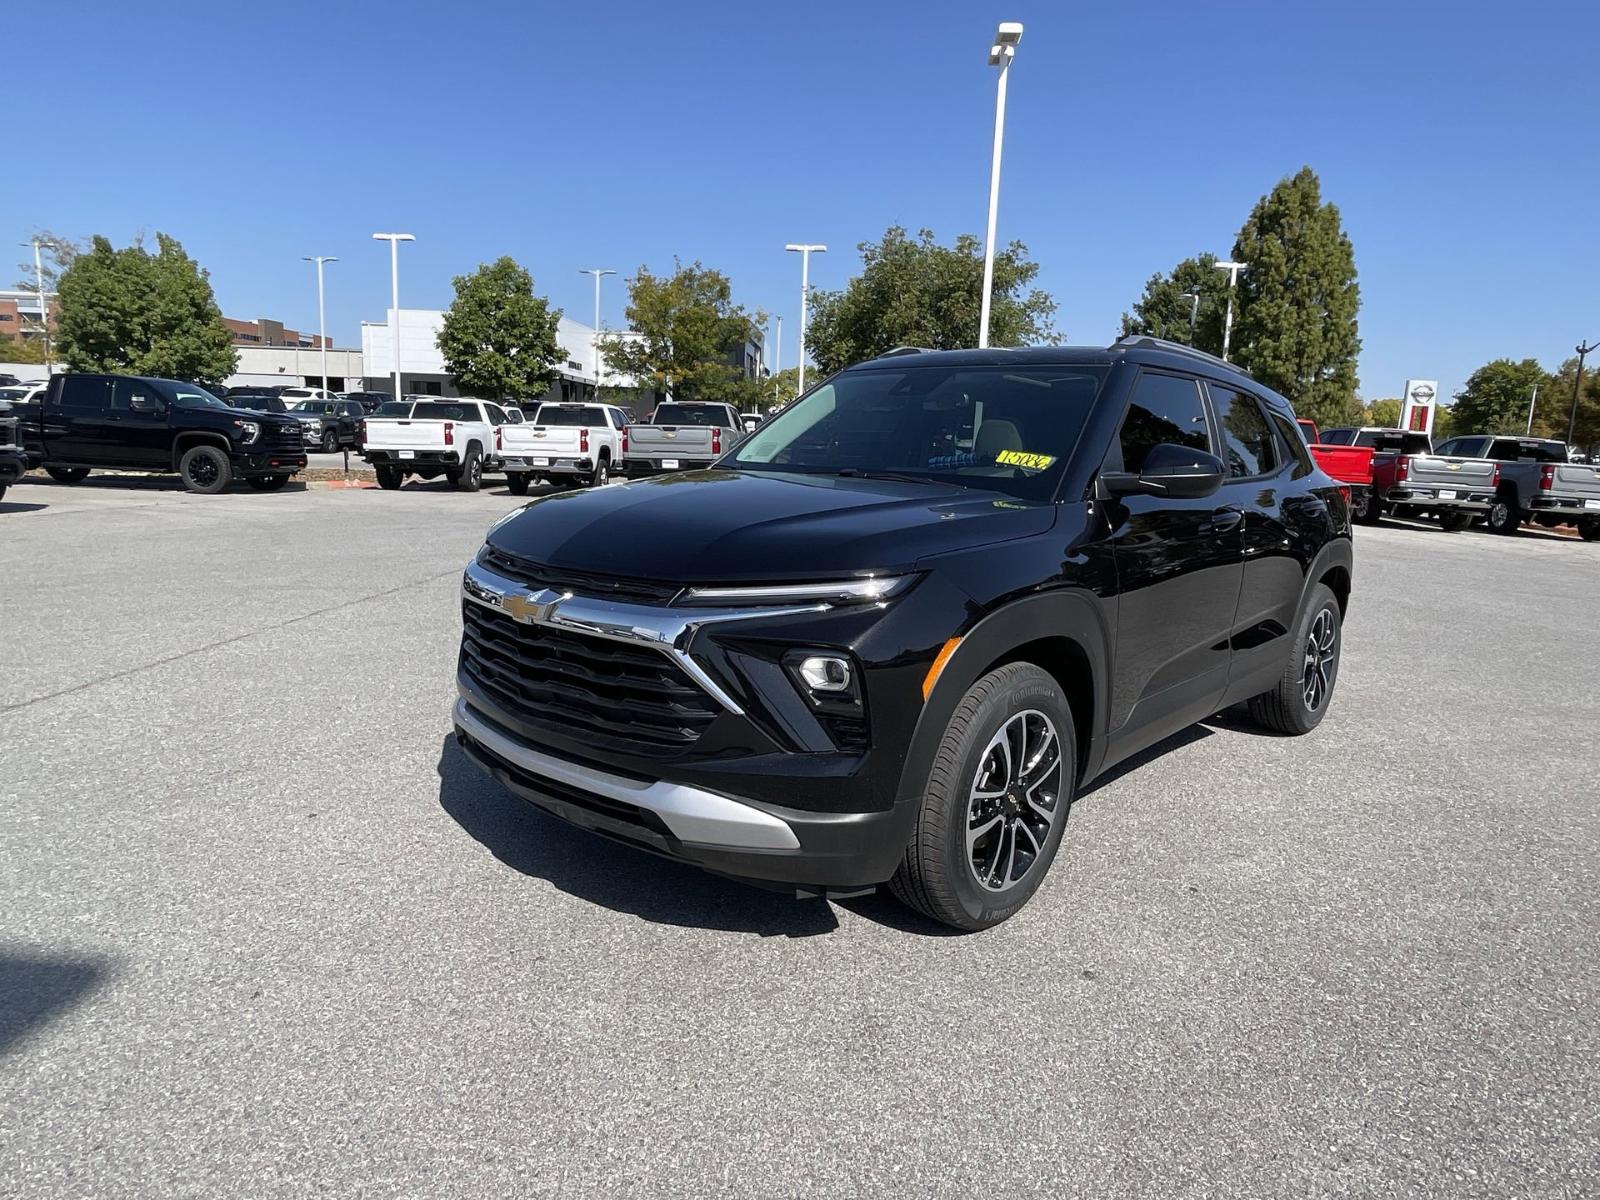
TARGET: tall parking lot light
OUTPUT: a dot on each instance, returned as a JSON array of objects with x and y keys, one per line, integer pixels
[
  {"x": 598, "y": 273},
  {"x": 1584, "y": 349},
  {"x": 805, "y": 251},
  {"x": 44, "y": 313},
  {"x": 1233, "y": 269},
  {"x": 322, "y": 319},
  {"x": 1001, "y": 52},
  {"x": 394, "y": 240}
]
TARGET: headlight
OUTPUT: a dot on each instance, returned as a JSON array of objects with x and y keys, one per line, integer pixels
[
  {"x": 248, "y": 430},
  {"x": 868, "y": 590}
]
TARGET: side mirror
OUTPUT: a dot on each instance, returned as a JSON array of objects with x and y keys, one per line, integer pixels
[{"x": 1176, "y": 472}]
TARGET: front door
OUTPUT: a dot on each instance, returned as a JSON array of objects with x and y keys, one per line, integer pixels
[
  {"x": 1179, "y": 565},
  {"x": 139, "y": 417}
]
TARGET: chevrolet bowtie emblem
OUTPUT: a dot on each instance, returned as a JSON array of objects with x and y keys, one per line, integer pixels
[
  {"x": 672, "y": 433},
  {"x": 1454, "y": 466},
  {"x": 532, "y": 607}
]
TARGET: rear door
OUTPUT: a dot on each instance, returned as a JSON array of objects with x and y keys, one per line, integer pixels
[
  {"x": 1179, "y": 567},
  {"x": 76, "y": 421}
]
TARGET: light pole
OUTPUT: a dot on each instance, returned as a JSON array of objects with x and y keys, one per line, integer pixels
[
  {"x": 44, "y": 313},
  {"x": 322, "y": 321},
  {"x": 1001, "y": 53},
  {"x": 1532, "y": 401},
  {"x": 777, "y": 358},
  {"x": 394, "y": 240},
  {"x": 598, "y": 273},
  {"x": 1194, "y": 310},
  {"x": 1584, "y": 350},
  {"x": 1233, "y": 269},
  {"x": 805, "y": 251}
]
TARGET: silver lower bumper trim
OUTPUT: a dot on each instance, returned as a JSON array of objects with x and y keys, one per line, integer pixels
[{"x": 693, "y": 815}]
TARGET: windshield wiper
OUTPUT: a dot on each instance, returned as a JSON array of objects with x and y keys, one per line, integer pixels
[{"x": 858, "y": 473}]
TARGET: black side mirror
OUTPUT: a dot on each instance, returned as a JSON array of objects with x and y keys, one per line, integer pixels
[{"x": 1176, "y": 472}]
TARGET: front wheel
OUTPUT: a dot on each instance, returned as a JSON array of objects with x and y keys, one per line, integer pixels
[
  {"x": 996, "y": 802},
  {"x": 1454, "y": 520},
  {"x": 205, "y": 470},
  {"x": 1301, "y": 698},
  {"x": 1589, "y": 529},
  {"x": 517, "y": 483},
  {"x": 1504, "y": 516},
  {"x": 330, "y": 441},
  {"x": 67, "y": 474}
]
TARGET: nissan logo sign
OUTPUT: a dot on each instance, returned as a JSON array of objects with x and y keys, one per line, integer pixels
[{"x": 1422, "y": 392}]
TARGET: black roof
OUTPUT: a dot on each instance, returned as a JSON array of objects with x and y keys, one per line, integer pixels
[{"x": 1144, "y": 351}]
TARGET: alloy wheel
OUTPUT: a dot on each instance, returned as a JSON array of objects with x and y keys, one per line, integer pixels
[
  {"x": 1317, "y": 677},
  {"x": 203, "y": 470},
  {"x": 1015, "y": 801}
]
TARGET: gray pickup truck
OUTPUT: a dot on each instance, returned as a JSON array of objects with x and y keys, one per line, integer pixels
[
  {"x": 1530, "y": 479},
  {"x": 680, "y": 435}
]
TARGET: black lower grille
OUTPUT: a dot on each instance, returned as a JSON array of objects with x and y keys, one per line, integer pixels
[
  {"x": 604, "y": 806},
  {"x": 582, "y": 583},
  {"x": 609, "y": 694}
]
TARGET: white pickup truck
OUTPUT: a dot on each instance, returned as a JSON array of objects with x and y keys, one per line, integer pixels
[
  {"x": 459, "y": 439},
  {"x": 681, "y": 435},
  {"x": 567, "y": 443}
]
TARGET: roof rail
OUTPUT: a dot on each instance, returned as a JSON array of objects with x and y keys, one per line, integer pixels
[
  {"x": 899, "y": 350},
  {"x": 1144, "y": 341}
]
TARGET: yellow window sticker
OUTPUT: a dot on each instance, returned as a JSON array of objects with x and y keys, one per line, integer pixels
[{"x": 1021, "y": 458}]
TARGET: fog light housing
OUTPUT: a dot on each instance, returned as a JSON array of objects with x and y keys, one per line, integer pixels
[{"x": 828, "y": 674}]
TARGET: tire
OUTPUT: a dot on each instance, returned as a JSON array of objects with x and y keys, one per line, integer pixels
[
  {"x": 601, "y": 474},
  {"x": 1455, "y": 521},
  {"x": 1291, "y": 707},
  {"x": 517, "y": 483},
  {"x": 205, "y": 470},
  {"x": 940, "y": 874},
  {"x": 67, "y": 474},
  {"x": 266, "y": 483},
  {"x": 470, "y": 477},
  {"x": 389, "y": 478},
  {"x": 1589, "y": 529},
  {"x": 1504, "y": 516},
  {"x": 330, "y": 442},
  {"x": 1364, "y": 507}
]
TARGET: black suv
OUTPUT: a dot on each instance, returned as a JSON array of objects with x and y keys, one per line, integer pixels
[
  {"x": 132, "y": 423},
  {"x": 891, "y": 635},
  {"x": 329, "y": 424}
]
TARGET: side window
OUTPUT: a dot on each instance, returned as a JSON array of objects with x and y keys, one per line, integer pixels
[
  {"x": 1247, "y": 443},
  {"x": 125, "y": 391},
  {"x": 84, "y": 393},
  {"x": 496, "y": 415},
  {"x": 1165, "y": 408},
  {"x": 1292, "y": 444},
  {"x": 1447, "y": 447},
  {"x": 1337, "y": 437}
]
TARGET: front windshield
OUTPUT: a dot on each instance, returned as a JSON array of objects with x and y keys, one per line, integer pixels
[
  {"x": 1001, "y": 430},
  {"x": 189, "y": 395},
  {"x": 691, "y": 414}
]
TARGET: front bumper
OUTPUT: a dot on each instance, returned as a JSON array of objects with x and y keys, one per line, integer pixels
[
  {"x": 268, "y": 462},
  {"x": 737, "y": 836}
]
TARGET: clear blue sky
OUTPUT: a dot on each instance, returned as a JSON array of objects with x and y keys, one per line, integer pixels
[{"x": 1461, "y": 142}]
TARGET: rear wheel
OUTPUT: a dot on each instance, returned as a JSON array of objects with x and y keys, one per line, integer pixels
[
  {"x": 1454, "y": 521},
  {"x": 67, "y": 474},
  {"x": 517, "y": 483},
  {"x": 996, "y": 802},
  {"x": 602, "y": 473},
  {"x": 470, "y": 477},
  {"x": 1364, "y": 506},
  {"x": 1589, "y": 529},
  {"x": 1301, "y": 698},
  {"x": 267, "y": 483},
  {"x": 1504, "y": 516},
  {"x": 389, "y": 478},
  {"x": 205, "y": 470}
]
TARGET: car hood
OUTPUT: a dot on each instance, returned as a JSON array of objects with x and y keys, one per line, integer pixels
[{"x": 730, "y": 526}]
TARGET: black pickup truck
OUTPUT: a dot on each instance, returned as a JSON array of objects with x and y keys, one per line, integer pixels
[
  {"x": 891, "y": 634},
  {"x": 133, "y": 423}
]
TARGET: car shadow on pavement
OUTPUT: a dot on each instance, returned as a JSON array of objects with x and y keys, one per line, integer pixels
[
  {"x": 7, "y": 506},
  {"x": 35, "y": 988},
  {"x": 603, "y": 872}
]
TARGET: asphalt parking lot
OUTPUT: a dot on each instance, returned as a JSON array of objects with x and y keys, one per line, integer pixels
[{"x": 266, "y": 933}]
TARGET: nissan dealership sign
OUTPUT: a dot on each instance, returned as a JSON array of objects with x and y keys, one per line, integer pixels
[{"x": 1417, "y": 405}]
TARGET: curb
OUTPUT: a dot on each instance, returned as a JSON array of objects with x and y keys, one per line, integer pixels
[{"x": 332, "y": 484}]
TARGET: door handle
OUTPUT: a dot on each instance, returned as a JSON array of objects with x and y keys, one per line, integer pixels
[{"x": 1225, "y": 519}]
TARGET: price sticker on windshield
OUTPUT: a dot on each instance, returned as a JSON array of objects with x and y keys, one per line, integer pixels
[{"x": 1021, "y": 458}]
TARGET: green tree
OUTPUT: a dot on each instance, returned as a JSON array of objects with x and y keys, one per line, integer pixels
[
  {"x": 55, "y": 256},
  {"x": 1168, "y": 305},
  {"x": 20, "y": 349},
  {"x": 145, "y": 314},
  {"x": 1496, "y": 396},
  {"x": 686, "y": 337},
  {"x": 1295, "y": 311},
  {"x": 1554, "y": 413},
  {"x": 498, "y": 338},
  {"x": 1384, "y": 412},
  {"x": 919, "y": 293}
]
